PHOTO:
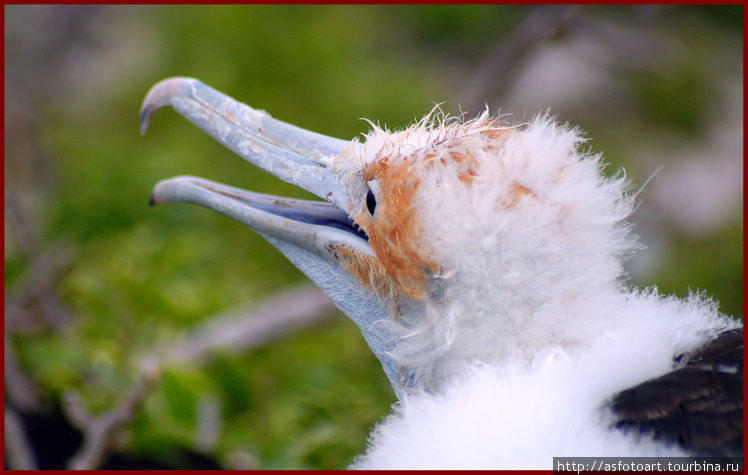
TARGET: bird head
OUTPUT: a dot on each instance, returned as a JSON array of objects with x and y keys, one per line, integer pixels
[{"x": 449, "y": 242}]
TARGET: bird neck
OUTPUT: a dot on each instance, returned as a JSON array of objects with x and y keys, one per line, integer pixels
[{"x": 497, "y": 316}]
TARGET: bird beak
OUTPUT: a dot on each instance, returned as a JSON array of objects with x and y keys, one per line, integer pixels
[{"x": 308, "y": 233}]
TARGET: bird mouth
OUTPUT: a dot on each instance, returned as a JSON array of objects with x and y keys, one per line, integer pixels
[
  {"x": 292, "y": 154},
  {"x": 319, "y": 237},
  {"x": 243, "y": 205}
]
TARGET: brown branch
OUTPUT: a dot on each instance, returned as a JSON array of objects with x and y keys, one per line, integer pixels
[
  {"x": 19, "y": 387},
  {"x": 33, "y": 304},
  {"x": 242, "y": 330},
  {"x": 208, "y": 427},
  {"x": 100, "y": 433},
  {"x": 498, "y": 68},
  {"x": 17, "y": 448},
  {"x": 19, "y": 231},
  {"x": 237, "y": 331}
]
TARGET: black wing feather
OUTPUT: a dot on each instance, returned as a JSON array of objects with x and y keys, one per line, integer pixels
[{"x": 699, "y": 405}]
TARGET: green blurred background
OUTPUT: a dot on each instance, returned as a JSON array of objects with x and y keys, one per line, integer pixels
[{"x": 95, "y": 279}]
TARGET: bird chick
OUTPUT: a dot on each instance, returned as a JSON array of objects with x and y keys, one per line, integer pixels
[
  {"x": 483, "y": 264},
  {"x": 499, "y": 231}
]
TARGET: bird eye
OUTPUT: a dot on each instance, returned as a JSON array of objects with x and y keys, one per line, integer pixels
[{"x": 371, "y": 202}]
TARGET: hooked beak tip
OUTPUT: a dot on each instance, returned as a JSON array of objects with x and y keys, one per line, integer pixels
[
  {"x": 145, "y": 118},
  {"x": 160, "y": 95}
]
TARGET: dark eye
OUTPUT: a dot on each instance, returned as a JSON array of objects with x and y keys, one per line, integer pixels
[{"x": 371, "y": 203}]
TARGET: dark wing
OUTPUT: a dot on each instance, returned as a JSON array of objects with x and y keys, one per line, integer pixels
[{"x": 699, "y": 405}]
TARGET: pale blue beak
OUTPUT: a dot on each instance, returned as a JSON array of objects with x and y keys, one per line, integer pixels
[{"x": 306, "y": 232}]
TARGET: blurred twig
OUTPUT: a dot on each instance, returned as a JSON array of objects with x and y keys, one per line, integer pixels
[
  {"x": 626, "y": 47},
  {"x": 17, "y": 449},
  {"x": 497, "y": 69},
  {"x": 37, "y": 39},
  {"x": 236, "y": 331},
  {"x": 17, "y": 222},
  {"x": 208, "y": 428},
  {"x": 100, "y": 432},
  {"x": 242, "y": 330},
  {"x": 19, "y": 388},
  {"x": 33, "y": 304}
]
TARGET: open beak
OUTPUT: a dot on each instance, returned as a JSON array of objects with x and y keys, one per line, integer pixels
[{"x": 308, "y": 233}]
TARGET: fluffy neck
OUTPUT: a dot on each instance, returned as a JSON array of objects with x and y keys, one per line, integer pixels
[{"x": 510, "y": 315}]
